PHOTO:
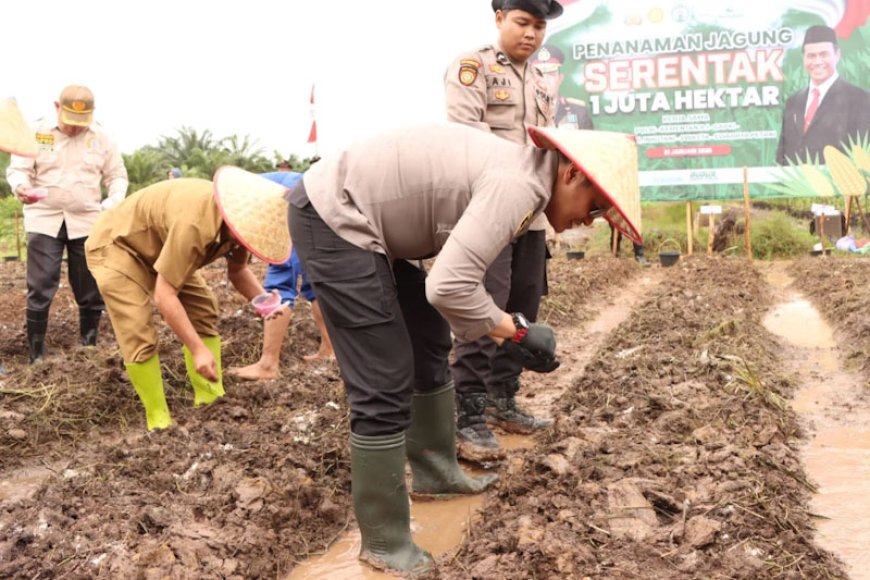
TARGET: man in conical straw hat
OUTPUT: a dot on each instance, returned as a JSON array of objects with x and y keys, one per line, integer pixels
[
  {"x": 360, "y": 220},
  {"x": 150, "y": 248},
  {"x": 16, "y": 138}
]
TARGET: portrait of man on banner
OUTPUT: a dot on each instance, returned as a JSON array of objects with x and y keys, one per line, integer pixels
[{"x": 828, "y": 111}]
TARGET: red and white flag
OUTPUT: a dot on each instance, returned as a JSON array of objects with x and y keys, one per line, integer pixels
[{"x": 312, "y": 135}]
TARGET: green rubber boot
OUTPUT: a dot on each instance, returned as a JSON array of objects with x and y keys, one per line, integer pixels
[
  {"x": 148, "y": 382},
  {"x": 431, "y": 447},
  {"x": 205, "y": 392},
  {"x": 380, "y": 501}
]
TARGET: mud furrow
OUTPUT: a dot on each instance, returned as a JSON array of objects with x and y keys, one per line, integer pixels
[{"x": 674, "y": 454}]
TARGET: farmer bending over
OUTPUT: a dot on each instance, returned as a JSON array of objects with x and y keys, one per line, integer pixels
[
  {"x": 150, "y": 248},
  {"x": 284, "y": 279},
  {"x": 462, "y": 195}
]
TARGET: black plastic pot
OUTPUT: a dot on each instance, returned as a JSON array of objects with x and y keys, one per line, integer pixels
[{"x": 668, "y": 258}]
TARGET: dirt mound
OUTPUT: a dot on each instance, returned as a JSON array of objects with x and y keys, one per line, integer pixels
[
  {"x": 674, "y": 455},
  {"x": 840, "y": 289},
  {"x": 241, "y": 489},
  {"x": 574, "y": 284}
]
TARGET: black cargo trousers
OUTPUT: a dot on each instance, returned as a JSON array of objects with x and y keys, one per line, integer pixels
[{"x": 389, "y": 341}]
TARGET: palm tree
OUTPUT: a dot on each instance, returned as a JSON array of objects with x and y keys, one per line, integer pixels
[
  {"x": 244, "y": 153},
  {"x": 177, "y": 150},
  {"x": 144, "y": 167}
]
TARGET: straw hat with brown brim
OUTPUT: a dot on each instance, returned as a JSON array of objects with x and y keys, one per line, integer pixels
[
  {"x": 15, "y": 136},
  {"x": 255, "y": 211},
  {"x": 609, "y": 160}
]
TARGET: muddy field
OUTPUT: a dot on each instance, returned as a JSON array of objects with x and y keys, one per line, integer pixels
[
  {"x": 245, "y": 488},
  {"x": 674, "y": 455},
  {"x": 840, "y": 289}
]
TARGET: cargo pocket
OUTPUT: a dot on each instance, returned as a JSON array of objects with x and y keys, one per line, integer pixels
[{"x": 355, "y": 289}]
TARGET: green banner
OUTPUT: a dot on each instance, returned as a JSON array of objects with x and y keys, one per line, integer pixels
[{"x": 711, "y": 88}]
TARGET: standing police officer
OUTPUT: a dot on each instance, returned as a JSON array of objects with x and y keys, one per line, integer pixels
[
  {"x": 75, "y": 156},
  {"x": 496, "y": 89}
]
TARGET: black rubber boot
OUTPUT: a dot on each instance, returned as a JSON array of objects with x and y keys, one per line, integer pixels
[
  {"x": 505, "y": 413},
  {"x": 431, "y": 446},
  {"x": 380, "y": 501},
  {"x": 475, "y": 441},
  {"x": 638, "y": 255},
  {"x": 37, "y": 324},
  {"x": 89, "y": 326}
]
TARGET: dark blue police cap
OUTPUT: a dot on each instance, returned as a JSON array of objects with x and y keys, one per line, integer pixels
[{"x": 545, "y": 9}]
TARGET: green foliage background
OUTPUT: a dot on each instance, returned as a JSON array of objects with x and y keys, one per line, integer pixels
[{"x": 198, "y": 154}]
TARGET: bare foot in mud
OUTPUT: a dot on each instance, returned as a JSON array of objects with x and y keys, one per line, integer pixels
[
  {"x": 321, "y": 354},
  {"x": 254, "y": 372}
]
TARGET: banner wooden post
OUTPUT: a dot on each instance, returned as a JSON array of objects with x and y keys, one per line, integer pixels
[
  {"x": 822, "y": 233},
  {"x": 748, "y": 218},
  {"x": 710, "y": 222},
  {"x": 17, "y": 236},
  {"x": 690, "y": 229},
  {"x": 848, "y": 215},
  {"x": 863, "y": 215}
]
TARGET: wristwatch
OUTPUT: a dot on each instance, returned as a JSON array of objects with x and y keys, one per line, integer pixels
[{"x": 522, "y": 327}]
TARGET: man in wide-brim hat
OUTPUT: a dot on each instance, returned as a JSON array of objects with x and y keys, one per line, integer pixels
[
  {"x": 16, "y": 138},
  {"x": 361, "y": 218},
  {"x": 150, "y": 248}
]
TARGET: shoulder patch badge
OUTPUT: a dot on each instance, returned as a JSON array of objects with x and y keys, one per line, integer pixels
[
  {"x": 468, "y": 71},
  {"x": 467, "y": 75},
  {"x": 527, "y": 219}
]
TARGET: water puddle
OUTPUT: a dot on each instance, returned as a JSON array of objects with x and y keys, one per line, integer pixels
[
  {"x": 512, "y": 442},
  {"x": 837, "y": 458},
  {"x": 437, "y": 526},
  {"x": 441, "y": 526}
]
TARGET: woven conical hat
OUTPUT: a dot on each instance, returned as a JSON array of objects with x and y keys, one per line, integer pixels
[
  {"x": 15, "y": 136},
  {"x": 609, "y": 160},
  {"x": 254, "y": 209}
]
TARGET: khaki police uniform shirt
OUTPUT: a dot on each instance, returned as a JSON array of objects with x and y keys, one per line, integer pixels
[
  {"x": 172, "y": 228},
  {"x": 449, "y": 190},
  {"x": 72, "y": 169},
  {"x": 485, "y": 89}
]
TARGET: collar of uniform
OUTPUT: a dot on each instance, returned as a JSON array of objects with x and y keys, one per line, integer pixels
[{"x": 500, "y": 55}]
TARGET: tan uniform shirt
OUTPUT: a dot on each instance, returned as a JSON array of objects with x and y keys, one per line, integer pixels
[
  {"x": 72, "y": 169},
  {"x": 172, "y": 228},
  {"x": 438, "y": 189},
  {"x": 485, "y": 89}
]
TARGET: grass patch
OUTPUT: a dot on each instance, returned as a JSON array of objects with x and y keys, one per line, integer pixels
[{"x": 780, "y": 236}]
